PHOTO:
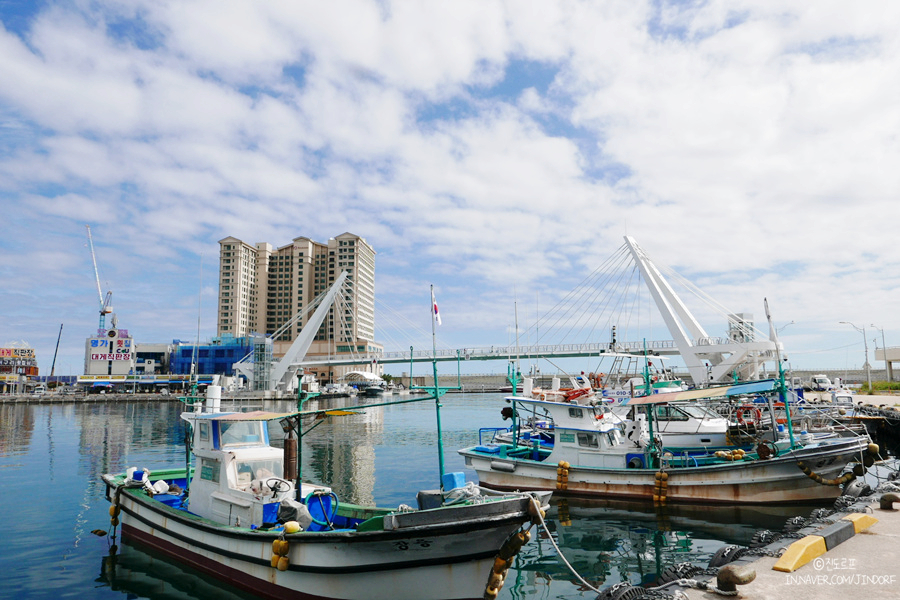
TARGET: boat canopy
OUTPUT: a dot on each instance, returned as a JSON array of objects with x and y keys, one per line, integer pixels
[
  {"x": 361, "y": 376},
  {"x": 753, "y": 387},
  {"x": 263, "y": 415}
]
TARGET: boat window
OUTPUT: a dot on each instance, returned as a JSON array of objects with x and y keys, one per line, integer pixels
[
  {"x": 669, "y": 413},
  {"x": 676, "y": 414},
  {"x": 204, "y": 432},
  {"x": 613, "y": 437},
  {"x": 209, "y": 469},
  {"x": 699, "y": 412},
  {"x": 576, "y": 413},
  {"x": 239, "y": 432},
  {"x": 256, "y": 472},
  {"x": 588, "y": 440}
]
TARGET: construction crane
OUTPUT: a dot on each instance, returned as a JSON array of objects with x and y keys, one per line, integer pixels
[{"x": 105, "y": 308}]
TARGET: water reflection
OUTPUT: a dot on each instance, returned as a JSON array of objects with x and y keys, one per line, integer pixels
[
  {"x": 611, "y": 541},
  {"x": 142, "y": 573}
]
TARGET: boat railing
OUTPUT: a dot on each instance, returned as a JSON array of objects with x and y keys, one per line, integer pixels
[{"x": 493, "y": 431}]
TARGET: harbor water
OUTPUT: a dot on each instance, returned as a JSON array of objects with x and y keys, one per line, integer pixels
[{"x": 51, "y": 498}]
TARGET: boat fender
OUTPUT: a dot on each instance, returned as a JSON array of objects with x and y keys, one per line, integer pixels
[
  {"x": 495, "y": 580},
  {"x": 503, "y": 561},
  {"x": 562, "y": 475},
  {"x": 291, "y": 527},
  {"x": 280, "y": 550},
  {"x": 661, "y": 487},
  {"x": 845, "y": 478},
  {"x": 506, "y": 467}
]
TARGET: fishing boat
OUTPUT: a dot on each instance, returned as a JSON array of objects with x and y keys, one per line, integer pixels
[
  {"x": 594, "y": 457},
  {"x": 237, "y": 507},
  {"x": 239, "y": 510}
]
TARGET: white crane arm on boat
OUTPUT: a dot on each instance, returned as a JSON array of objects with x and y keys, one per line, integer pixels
[{"x": 753, "y": 387}]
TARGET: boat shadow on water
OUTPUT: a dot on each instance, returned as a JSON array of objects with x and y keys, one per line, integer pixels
[{"x": 140, "y": 572}]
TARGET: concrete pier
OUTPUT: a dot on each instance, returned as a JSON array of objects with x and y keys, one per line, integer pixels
[{"x": 865, "y": 565}]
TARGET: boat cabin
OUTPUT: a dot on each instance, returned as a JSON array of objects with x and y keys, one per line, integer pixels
[
  {"x": 238, "y": 477},
  {"x": 580, "y": 431}
]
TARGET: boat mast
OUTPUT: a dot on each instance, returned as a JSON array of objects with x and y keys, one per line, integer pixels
[
  {"x": 782, "y": 386},
  {"x": 437, "y": 391}
]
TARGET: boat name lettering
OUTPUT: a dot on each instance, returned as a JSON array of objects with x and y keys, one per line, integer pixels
[
  {"x": 404, "y": 544},
  {"x": 567, "y": 437},
  {"x": 209, "y": 470}
]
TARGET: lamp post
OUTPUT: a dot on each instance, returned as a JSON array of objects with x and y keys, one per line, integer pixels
[
  {"x": 783, "y": 326},
  {"x": 866, "y": 346},
  {"x": 887, "y": 366}
]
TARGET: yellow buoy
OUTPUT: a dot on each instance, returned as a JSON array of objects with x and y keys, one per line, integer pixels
[
  {"x": 291, "y": 527},
  {"x": 495, "y": 580},
  {"x": 500, "y": 565},
  {"x": 283, "y": 563},
  {"x": 274, "y": 561},
  {"x": 114, "y": 511}
]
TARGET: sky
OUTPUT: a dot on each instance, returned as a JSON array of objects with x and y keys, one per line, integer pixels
[{"x": 499, "y": 150}]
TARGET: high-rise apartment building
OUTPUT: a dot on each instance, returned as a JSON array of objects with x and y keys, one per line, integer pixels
[{"x": 261, "y": 289}]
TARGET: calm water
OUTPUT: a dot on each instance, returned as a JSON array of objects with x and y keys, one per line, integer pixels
[{"x": 51, "y": 498}]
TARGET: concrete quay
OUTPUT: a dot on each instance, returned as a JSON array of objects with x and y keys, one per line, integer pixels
[{"x": 866, "y": 564}]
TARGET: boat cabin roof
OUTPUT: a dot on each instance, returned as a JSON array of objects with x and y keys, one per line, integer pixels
[
  {"x": 567, "y": 415},
  {"x": 255, "y": 415},
  {"x": 752, "y": 387}
]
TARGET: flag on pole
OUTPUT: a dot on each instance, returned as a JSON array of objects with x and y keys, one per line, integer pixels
[{"x": 437, "y": 315}]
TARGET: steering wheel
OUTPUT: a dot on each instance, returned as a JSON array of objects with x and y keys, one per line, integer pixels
[
  {"x": 278, "y": 485},
  {"x": 328, "y": 512}
]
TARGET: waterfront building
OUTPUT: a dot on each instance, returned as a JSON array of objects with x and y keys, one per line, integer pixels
[
  {"x": 261, "y": 289},
  {"x": 18, "y": 365},
  {"x": 216, "y": 357},
  {"x": 109, "y": 352}
]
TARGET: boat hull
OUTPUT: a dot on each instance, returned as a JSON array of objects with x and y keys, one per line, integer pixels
[
  {"x": 448, "y": 560},
  {"x": 744, "y": 482}
]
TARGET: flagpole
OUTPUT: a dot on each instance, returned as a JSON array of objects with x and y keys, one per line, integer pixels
[{"x": 437, "y": 395}]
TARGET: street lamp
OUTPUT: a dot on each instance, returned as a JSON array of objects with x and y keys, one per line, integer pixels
[
  {"x": 887, "y": 365},
  {"x": 866, "y": 346},
  {"x": 783, "y": 326}
]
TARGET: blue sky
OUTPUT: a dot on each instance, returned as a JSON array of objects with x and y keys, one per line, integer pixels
[{"x": 499, "y": 150}]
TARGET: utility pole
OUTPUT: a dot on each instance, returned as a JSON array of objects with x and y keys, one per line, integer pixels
[
  {"x": 887, "y": 365},
  {"x": 866, "y": 346}
]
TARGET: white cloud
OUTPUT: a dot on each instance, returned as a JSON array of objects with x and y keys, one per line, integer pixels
[{"x": 751, "y": 145}]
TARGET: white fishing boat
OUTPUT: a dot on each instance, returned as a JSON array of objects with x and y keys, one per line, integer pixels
[
  {"x": 240, "y": 517},
  {"x": 595, "y": 458}
]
